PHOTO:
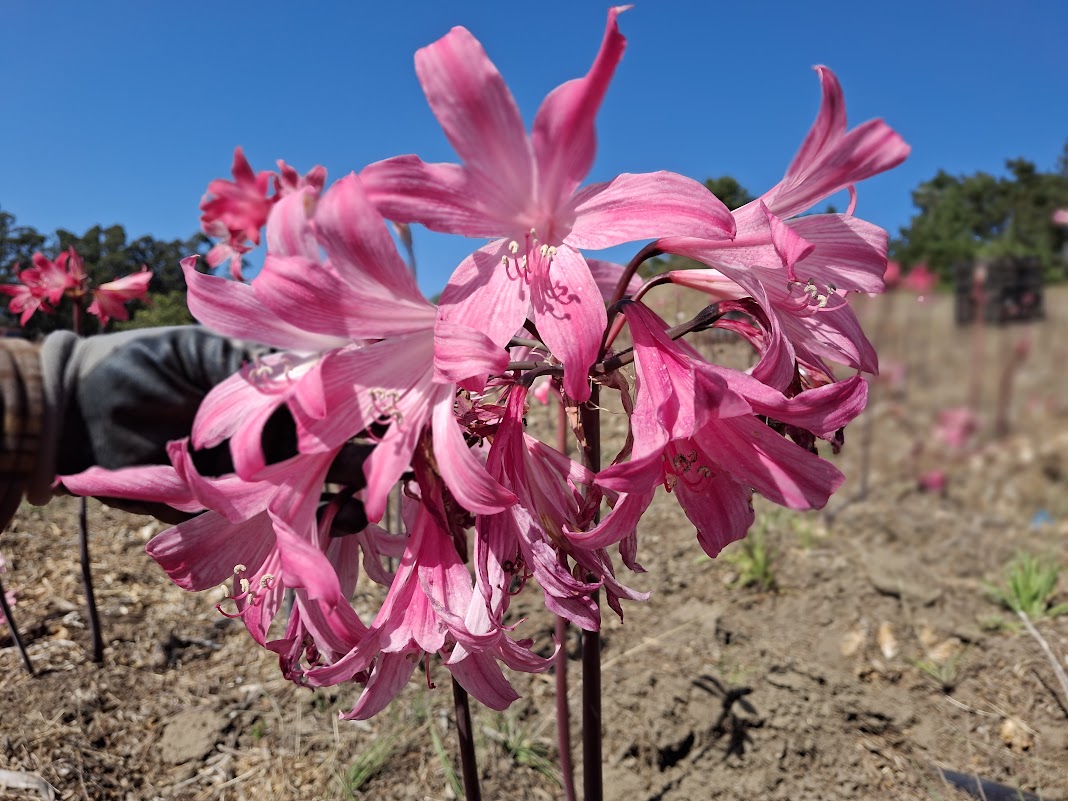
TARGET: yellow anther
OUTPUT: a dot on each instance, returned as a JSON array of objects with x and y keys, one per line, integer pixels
[{"x": 513, "y": 247}]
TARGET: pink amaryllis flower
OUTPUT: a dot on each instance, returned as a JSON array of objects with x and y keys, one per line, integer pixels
[
  {"x": 236, "y": 211},
  {"x": 403, "y": 383},
  {"x": 806, "y": 264},
  {"x": 522, "y": 191},
  {"x": 955, "y": 427},
  {"x": 696, "y": 430},
  {"x": 527, "y": 540},
  {"x": 262, "y": 534},
  {"x": 110, "y": 299},
  {"x": 27, "y": 297},
  {"x": 920, "y": 280},
  {"x": 42, "y": 286},
  {"x": 431, "y": 608}
]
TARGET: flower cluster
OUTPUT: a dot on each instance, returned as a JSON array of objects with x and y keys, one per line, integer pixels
[
  {"x": 44, "y": 285},
  {"x": 378, "y": 386},
  {"x": 234, "y": 212}
]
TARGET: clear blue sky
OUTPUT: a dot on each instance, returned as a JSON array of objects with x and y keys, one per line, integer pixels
[{"x": 121, "y": 112}]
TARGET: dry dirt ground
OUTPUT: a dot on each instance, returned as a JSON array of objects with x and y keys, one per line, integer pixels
[{"x": 875, "y": 662}]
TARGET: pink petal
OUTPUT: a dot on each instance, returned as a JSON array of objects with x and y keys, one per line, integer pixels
[
  {"x": 359, "y": 244},
  {"x": 235, "y": 499},
  {"x": 443, "y": 197},
  {"x": 289, "y": 232},
  {"x": 479, "y": 117},
  {"x": 388, "y": 678},
  {"x": 564, "y": 137},
  {"x": 620, "y": 523},
  {"x": 461, "y": 353},
  {"x": 822, "y": 410},
  {"x": 481, "y": 676},
  {"x": 486, "y": 296},
  {"x": 232, "y": 309},
  {"x": 756, "y": 456},
  {"x": 722, "y": 511},
  {"x": 202, "y": 553},
  {"x": 155, "y": 483},
  {"x": 570, "y": 315},
  {"x": 466, "y": 477},
  {"x": 358, "y": 385},
  {"x": 832, "y": 159},
  {"x": 848, "y": 252},
  {"x": 646, "y": 206},
  {"x": 830, "y": 124},
  {"x": 289, "y": 287},
  {"x": 386, "y": 464},
  {"x": 223, "y": 410}
]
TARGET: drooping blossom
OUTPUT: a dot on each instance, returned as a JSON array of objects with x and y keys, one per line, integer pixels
[
  {"x": 43, "y": 286},
  {"x": 110, "y": 299},
  {"x": 956, "y": 426},
  {"x": 235, "y": 212},
  {"x": 806, "y": 265},
  {"x": 697, "y": 432},
  {"x": 920, "y": 280},
  {"x": 431, "y": 608},
  {"x": 27, "y": 297},
  {"x": 522, "y": 191},
  {"x": 434, "y": 398},
  {"x": 404, "y": 381}
]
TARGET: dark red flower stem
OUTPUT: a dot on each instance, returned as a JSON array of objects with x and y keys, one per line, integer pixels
[
  {"x": 563, "y": 711},
  {"x": 648, "y": 252},
  {"x": 87, "y": 582},
  {"x": 592, "y": 757},
  {"x": 83, "y": 543},
  {"x": 465, "y": 734},
  {"x": 10, "y": 620}
]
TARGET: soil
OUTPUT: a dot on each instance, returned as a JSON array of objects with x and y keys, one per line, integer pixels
[{"x": 875, "y": 665}]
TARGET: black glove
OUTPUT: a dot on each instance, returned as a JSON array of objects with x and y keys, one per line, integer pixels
[{"x": 115, "y": 401}]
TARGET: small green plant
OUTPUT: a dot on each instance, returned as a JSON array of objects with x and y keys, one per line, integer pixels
[
  {"x": 447, "y": 766},
  {"x": 754, "y": 560},
  {"x": 1029, "y": 587},
  {"x": 521, "y": 747},
  {"x": 996, "y": 623},
  {"x": 368, "y": 763},
  {"x": 947, "y": 675},
  {"x": 257, "y": 730}
]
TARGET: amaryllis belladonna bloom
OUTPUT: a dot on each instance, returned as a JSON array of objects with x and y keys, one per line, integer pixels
[
  {"x": 806, "y": 264},
  {"x": 523, "y": 192}
]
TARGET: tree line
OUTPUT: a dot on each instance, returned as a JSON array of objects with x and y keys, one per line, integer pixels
[
  {"x": 108, "y": 254},
  {"x": 959, "y": 219}
]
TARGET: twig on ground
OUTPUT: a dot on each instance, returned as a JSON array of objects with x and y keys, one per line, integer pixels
[{"x": 1058, "y": 669}]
